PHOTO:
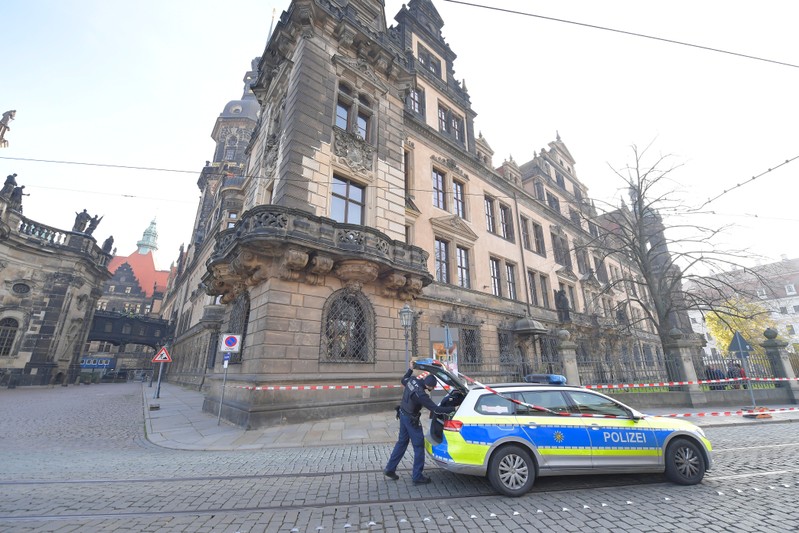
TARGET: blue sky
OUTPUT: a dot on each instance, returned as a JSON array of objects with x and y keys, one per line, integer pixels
[{"x": 141, "y": 84}]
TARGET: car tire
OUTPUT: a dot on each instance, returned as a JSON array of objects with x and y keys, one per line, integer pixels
[
  {"x": 685, "y": 464},
  {"x": 512, "y": 471}
]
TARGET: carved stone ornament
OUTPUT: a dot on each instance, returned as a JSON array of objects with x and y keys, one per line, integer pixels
[
  {"x": 321, "y": 264},
  {"x": 451, "y": 166},
  {"x": 356, "y": 270},
  {"x": 353, "y": 151},
  {"x": 394, "y": 281},
  {"x": 362, "y": 69}
]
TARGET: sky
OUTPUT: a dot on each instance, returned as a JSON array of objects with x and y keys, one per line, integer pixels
[{"x": 140, "y": 84}]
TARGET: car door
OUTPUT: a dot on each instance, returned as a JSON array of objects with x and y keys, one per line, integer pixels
[
  {"x": 562, "y": 442},
  {"x": 619, "y": 441}
]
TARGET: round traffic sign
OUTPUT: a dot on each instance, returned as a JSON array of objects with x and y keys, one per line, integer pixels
[{"x": 231, "y": 341}]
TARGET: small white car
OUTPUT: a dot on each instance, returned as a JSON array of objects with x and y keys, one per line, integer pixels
[{"x": 514, "y": 432}]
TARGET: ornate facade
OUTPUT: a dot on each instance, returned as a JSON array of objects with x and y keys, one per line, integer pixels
[
  {"x": 364, "y": 188},
  {"x": 51, "y": 281}
]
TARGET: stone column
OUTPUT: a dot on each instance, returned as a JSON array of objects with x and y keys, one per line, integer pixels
[
  {"x": 780, "y": 364},
  {"x": 679, "y": 351},
  {"x": 568, "y": 354}
]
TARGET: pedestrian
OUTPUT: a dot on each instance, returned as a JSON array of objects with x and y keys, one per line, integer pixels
[{"x": 414, "y": 397}]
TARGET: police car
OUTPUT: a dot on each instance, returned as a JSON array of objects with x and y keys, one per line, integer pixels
[{"x": 515, "y": 432}]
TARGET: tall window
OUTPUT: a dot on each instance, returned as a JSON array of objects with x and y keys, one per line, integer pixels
[
  {"x": 538, "y": 238},
  {"x": 471, "y": 354},
  {"x": 491, "y": 225},
  {"x": 560, "y": 181},
  {"x": 539, "y": 190},
  {"x": 8, "y": 332},
  {"x": 450, "y": 123},
  {"x": 439, "y": 191},
  {"x": 353, "y": 112},
  {"x": 348, "y": 328},
  {"x": 463, "y": 268},
  {"x": 575, "y": 216},
  {"x": 506, "y": 221},
  {"x": 560, "y": 248},
  {"x": 525, "y": 224},
  {"x": 531, "y": 282},
  {"x": 601, "y": 271},
  {"x": 496, "y": 281},
  {"x": 553, "y": 202},
  {"x": 415, "y": 100},
  {"x": 544, "y": 290},
  {"x": 510, "y": 275},
  {"x": 583, "y": 266},
  {"x": 442, "y": 261},
  {"x": 347, "y": 203},
  {"x": 459, "y": 198}
]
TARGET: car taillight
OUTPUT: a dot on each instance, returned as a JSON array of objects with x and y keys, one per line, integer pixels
[{"x": 453, "y": 425}]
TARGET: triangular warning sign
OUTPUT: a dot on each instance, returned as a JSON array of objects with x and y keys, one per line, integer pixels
[{"x": 162, "y": 356}]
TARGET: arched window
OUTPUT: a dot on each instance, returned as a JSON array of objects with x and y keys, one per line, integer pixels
[
  {"x": 8, "y": 332},
  {"x": 239, "y": 318},
  {"x": 348, "y": 331}
]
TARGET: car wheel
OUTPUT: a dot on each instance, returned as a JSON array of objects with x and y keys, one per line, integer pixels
[
  {"x": 685, "y": 463},
  {"x": 511, "y": 471}
]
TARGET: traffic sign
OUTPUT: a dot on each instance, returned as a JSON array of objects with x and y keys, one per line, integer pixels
[
  {"x": 230, "y": 343},
  {"x": 739, "y": 345},
  {"x": 226, "y": 357},
  {"x": 162, "y": 356}
]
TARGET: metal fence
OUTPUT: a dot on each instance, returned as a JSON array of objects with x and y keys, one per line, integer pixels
[
  {"x": 610, "y": 360},
  {"x": 515, "y": 360},
  {"x": 723, "y": 366}
]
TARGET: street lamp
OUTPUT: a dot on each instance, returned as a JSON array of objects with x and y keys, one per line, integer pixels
[{"x": 406, "y": 319}]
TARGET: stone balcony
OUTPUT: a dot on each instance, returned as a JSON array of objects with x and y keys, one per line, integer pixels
[
  {"x": 49, "y": 237},
  {"x": 272, "y": 241}
]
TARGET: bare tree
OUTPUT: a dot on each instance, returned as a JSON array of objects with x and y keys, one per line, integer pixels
[{"x": 670, "y": 260}]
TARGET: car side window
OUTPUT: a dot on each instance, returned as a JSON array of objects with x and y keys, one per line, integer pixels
[
  {"x": 491, "y": 404},
  {"x": 551, "y": 399},
  {"x": 593, "y": 404}
]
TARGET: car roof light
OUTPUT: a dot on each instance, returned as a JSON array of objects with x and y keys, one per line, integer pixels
[{"x": 548, "y": 379}]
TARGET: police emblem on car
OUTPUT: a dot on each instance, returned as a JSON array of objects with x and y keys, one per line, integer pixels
[{"x": 515, "y": 432}]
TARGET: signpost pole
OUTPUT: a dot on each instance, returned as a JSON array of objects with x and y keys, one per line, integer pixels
[
  {"x": 222, "y": 396},
  {"x": 230, "y": 343},
  {"x": 745, "y": 359},
  {"x": 158, "y": 388}
]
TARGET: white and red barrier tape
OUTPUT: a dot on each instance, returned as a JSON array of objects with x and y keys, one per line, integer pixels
[
  {"x": 732, "y": 413},
  {"x": 673, "y": 383},
  {"x": 317, "y": 387},
  {"x": 612, "y": 386}
]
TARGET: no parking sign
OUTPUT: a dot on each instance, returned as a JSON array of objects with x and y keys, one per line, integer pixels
[{"x": 230, "y": 343}]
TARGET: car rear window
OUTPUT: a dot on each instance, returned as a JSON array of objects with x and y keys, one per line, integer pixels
[{"x": 491, "y": 404}]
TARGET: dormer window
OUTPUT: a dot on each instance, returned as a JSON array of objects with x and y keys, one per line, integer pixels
[
  {"x": 450, "y": 123},
  {"x": 429, "y": 61}
]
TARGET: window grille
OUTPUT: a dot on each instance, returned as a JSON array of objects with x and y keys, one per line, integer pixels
[
  {"x": 348, "y": 335},
  {"x": 239, "y": 318}
]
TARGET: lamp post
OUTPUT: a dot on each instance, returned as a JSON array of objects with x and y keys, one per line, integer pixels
[{"x": 406, "y": 318}]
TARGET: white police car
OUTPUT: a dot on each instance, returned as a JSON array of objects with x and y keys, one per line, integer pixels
[{"x": 514, "y": 432}]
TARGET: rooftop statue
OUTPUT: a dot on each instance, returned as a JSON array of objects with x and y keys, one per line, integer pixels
[{"x": 8, "y": 116}]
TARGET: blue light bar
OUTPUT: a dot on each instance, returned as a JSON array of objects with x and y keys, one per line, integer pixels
[{"x": 549, "y": 379}]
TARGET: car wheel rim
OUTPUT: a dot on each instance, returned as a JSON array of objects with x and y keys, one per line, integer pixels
[
  {"x": 687, "y": 462},
  {"x": 513, "y": 471}
]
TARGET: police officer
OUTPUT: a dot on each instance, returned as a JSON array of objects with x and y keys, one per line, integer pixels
[{"x": 409, "y": 413}]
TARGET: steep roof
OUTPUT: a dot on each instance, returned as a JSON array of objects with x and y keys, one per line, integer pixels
[{"x": 143, "y": 268}]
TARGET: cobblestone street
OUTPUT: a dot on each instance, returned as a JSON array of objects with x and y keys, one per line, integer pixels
[{"x": 76, "y": 459}]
